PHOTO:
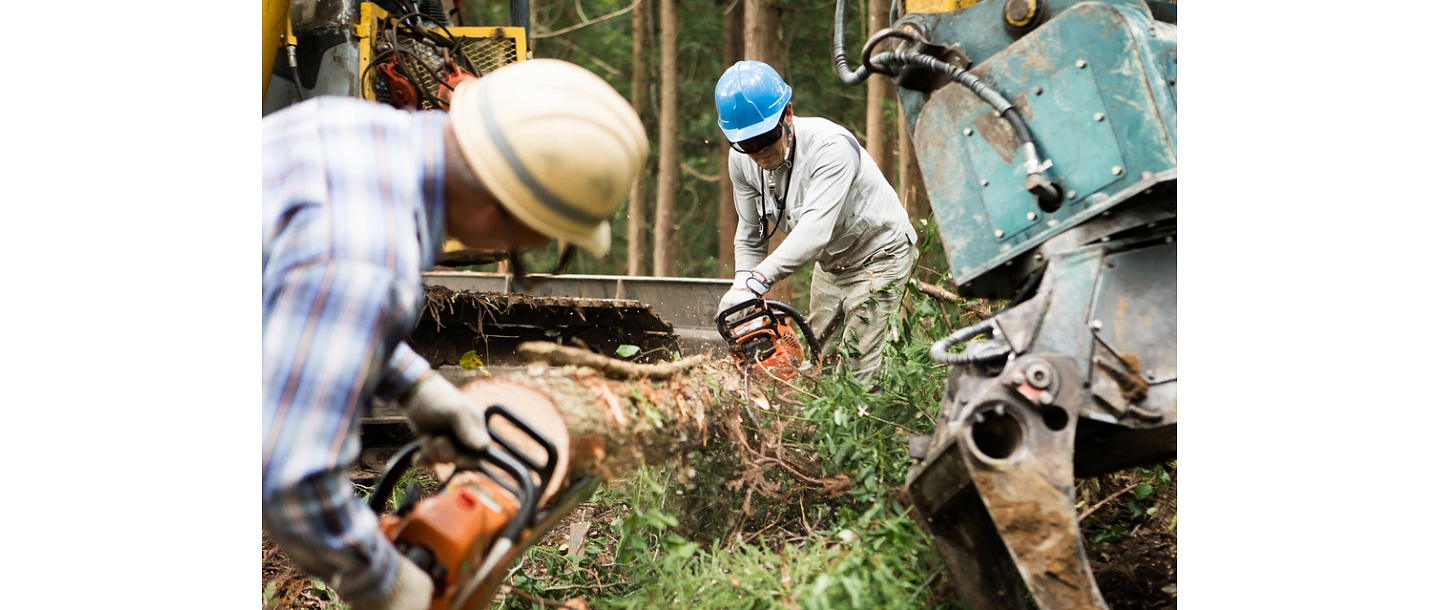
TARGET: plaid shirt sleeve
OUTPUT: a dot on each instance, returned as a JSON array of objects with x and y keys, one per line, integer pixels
[{"x": 351, "y": 196}]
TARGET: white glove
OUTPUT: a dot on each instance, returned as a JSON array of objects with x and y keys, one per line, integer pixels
[
  {"x": 411, "y": 590},
  {"x": 748, "y": 285},
  {"x": 441, "y": 414}
]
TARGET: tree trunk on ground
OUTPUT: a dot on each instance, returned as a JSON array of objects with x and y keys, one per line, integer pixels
[
  {"x": 732, "y": 50},
  {"x": 669, "y": 170},
  {"x": 877, "y": 88},
  {"x": 639, "y": 97},
  {"x": 621, "y": 416},
  {"x": 912, "y": 183}
]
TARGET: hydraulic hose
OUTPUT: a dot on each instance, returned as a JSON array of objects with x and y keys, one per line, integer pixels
[
  {"x": 940, "y": 351},
  {"x": 842, "y": 67},
  {"x": 957, "y": 74}
]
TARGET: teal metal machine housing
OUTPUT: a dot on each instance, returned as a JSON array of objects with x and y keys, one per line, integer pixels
[{"x": 1045, "y": 133}]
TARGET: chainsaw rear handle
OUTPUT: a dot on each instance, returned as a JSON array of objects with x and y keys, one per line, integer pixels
[
  {"x": 765, "y": 308},
  {"x": 512, "y": 461}
]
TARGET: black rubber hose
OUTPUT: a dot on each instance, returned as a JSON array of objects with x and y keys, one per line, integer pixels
[
  {"x": 973, "y": 83},
  {"x": 940, "y": 351},
  {"x": 842, "y": 67}
]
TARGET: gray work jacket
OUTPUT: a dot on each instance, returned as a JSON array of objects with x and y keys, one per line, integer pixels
[{"x": 839, "y": 209}]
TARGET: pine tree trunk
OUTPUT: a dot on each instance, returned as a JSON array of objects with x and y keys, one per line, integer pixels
[
  {"x": 732, "y": 50},
  {"x": 639, "y": 97},
  {"x": 762, "y": 43},
  {"x": 878, "y": 87},
  {"x": 669, "y": 169},
  {"x": 912, "y": 184}
]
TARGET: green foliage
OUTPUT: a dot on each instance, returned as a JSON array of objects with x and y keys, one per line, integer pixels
[
  {"x": 626, "y": 351},
  {"x": 471, "y": 361},
  {"x": 672, "y": 545}
]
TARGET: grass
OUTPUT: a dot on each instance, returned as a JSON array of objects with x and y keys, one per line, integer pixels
[{"x": 657, "y": 544}]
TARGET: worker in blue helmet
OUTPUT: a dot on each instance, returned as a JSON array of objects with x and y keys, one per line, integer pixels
[{"x": 810, "y": 178}]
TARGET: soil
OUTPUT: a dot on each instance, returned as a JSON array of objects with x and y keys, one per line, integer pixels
[{"x": 1137, "y": 571}]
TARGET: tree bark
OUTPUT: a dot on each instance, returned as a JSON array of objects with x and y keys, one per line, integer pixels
[
  {"x": 636, "y": 210},
  {"x": 732, "y": 50},
  {"x": 669, "y": 169},
  {"x": 763, "y": 32},
  {"x": 620, "y": 416},
  {"x": 912, "y": 183},
  {"x": 878, "y": 87},
  {"x": 763, "y": 35}
]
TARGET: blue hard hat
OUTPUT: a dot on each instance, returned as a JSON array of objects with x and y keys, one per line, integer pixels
[{"x": 750, "y": 98}]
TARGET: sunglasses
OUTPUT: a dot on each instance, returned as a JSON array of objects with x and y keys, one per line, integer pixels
[{"x": 760, "y": 142}]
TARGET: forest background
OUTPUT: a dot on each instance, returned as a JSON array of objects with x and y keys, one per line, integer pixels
[{"x": 666, "y": 56}]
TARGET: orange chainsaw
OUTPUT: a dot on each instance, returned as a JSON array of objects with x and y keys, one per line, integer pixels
[
  {"x": 467, "y": 535},
  {"x": 762, "y": 336}
]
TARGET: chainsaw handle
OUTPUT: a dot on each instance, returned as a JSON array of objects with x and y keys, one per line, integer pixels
[{"x": 393, "y": 469}]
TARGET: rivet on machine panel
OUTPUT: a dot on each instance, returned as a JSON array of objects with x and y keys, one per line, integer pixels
[
  {"x": 1038, "y": 91},
  {"x": 999, "y": 233},
  {"x": 1117, "y": 170},
  {"x": 1052, "y": 223},
  {"x": 1039, "y": 256},
  {"x": 1030, "y": 216},
  {"x": 1080, "y": 64},
  {"x": 984, "y": 182},
  {"x": 1096, "y": 325},
  {"x": 1071, "y": 194},
  {"x": 1099, "y": 116},
  {"x": 968, "y": 131}
]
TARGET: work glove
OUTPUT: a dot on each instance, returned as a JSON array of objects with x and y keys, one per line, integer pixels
[
  {"x": 441, "y": 415},
  {"x": 411, "y": 590},
  {"x": 748, "y": 285}
]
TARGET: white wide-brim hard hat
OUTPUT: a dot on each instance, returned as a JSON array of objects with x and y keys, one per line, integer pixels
[{"x": 555, "y": 144}]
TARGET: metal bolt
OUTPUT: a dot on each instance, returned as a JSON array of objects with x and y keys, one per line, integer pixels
[
  {"x": 1096, "y": 324},
  {"x": 1099, "y": 116},
  {"x": 1117, "y": 170},
  {"x": 1071, "y": 194},
  {"x": 1017, "y": 378},
  {"x": 1039, "y": 256},
  {"x": 1038, "y": 91},
  {"x": 1052, "y": 223},
  {"x": 999, "y": 233},
  {"x": 1030, "y": 216},
  {"x": 1046, "y": 398},
  {"x": 1080, "y": 64},
  {"x": 968, "y": 131},
  {"x": 984, "y": 182},
  {"x": 1038, "y": 375}
]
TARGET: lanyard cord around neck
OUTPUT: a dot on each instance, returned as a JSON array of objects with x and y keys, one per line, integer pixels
[{"x": 766, "y": 231}]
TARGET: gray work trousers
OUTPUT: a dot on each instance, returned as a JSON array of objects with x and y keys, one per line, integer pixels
[{"x": 850, "y": 310}]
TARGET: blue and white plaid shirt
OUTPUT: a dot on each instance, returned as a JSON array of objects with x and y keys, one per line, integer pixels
[{"x": 352, "y": 212}]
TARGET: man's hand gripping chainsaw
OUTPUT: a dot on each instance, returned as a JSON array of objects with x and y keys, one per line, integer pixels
[{"x": 492, "y": 507}]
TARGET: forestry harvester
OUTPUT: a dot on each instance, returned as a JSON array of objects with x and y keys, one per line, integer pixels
[{"x": 1045, "y": 133}]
